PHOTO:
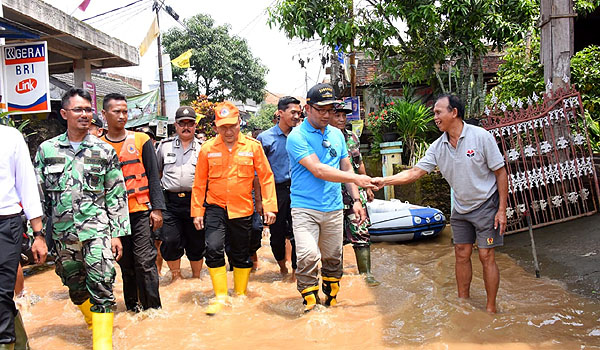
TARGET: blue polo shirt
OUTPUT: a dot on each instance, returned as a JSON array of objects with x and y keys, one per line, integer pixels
[
  {"x": 273, "y": 142},
  {"x": 307, "y": 191}
]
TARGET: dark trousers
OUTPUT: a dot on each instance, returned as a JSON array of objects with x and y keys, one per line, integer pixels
[
  {"x": 11, "y": 236},
  {"x": 138, "y": 268},
  {"x": 178, "y": 233},
  {"x": 256, "y": 234},
  {"x": 282, "y": 228},
  {"x": 220, "y": 229}
]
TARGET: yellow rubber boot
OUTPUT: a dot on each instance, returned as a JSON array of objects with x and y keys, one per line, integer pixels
[
  {"x": 102, "y": 330},
  {"x": 218, "y": 276},
  {"x": 311, "y": 298},
  {"x": 331, "y": 287},
  {"x": 87, "y": 313},
  {"x": 240, "y": 280}
]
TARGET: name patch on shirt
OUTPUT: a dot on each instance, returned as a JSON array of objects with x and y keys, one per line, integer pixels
[
  {"x": 94, "y": 161},
  {"x": 246, "y": 154},
  {"x": 55, "y": 160},
  {"x": 214, "y": 155}
]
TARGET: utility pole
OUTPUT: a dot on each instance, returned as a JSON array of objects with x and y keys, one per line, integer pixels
[
  {"x": 161, "y": 82},
  {"x": 305, "y": 81},
  {"x": 557, "y": 40},
  {"x": 352, "y": 58}
]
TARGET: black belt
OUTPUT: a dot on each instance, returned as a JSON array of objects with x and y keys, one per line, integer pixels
[
  {"x": 285, "y": 183},
  {"x": 179, "y": 194},
  {"x": 10, "y": 216}
]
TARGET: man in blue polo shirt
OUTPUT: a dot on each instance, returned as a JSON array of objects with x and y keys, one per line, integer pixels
[
  {"x": 273, "y": 142},
  {"x": 319, "y": 164},
  {"x": 469, "y": 159}
]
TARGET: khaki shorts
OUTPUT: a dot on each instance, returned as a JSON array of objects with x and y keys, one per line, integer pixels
[{"x": 478, "y": 225}]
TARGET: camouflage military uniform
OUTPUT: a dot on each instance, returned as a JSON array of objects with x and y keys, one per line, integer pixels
[
  {"x": 84, "y": 194},
  {"x": 353, "y": 233}
]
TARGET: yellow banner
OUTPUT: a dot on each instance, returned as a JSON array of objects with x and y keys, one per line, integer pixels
[
  {"x": 183, "y": 60},
  {"x": 357, "y": 126},
  {"x": 152, "y": 34}
]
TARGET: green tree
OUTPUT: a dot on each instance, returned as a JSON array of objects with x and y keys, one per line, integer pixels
[
  {"x": 222, "y": 65},
  {"x": 586, "y": 7},
  {"x": 521, "y": 73},
  {"x": 585, "y": 74},
  {"x": 262, "y": 120},
  {"x": 412, "y": 39}
]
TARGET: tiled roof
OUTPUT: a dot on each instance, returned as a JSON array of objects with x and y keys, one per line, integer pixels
[
  {"x": 366, "y": 68},
  {"x": 104, "y": 84},
  {"x": 273, "y": 98}
]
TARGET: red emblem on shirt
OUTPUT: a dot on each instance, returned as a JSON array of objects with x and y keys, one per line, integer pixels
[{"x": 470, "y": 153}]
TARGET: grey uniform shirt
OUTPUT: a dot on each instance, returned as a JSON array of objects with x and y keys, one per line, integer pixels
[
  {"x": 468, "y": 168},
  {"x": 177, "y": 165}
]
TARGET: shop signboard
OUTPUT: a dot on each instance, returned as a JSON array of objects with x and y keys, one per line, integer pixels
[{"x": 25, "y": 76}]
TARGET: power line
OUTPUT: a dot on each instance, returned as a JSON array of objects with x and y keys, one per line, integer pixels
[
  {"x": 120, "y": 15},
  {"x": 263, "y": 12},
  {"x": 113, "y": 10},
  {"x": 109, "y": 26}
]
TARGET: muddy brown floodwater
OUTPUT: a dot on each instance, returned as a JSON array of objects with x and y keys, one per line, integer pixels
[{"x": 415, "y": 307}]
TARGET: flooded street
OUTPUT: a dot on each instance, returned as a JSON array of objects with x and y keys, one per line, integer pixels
[{"x": 415, "y": 307}]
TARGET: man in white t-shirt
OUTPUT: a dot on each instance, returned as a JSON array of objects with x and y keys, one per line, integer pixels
[{"x": 469, "y": 159}]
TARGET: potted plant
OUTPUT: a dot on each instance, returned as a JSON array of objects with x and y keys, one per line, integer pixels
[
  {"x": 407, "y": 119},
  {"x": 382, "y": 123},
  {"x": 413, "y": 121}
]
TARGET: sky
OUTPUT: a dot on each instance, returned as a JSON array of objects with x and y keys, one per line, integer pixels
[{"x": 247, "y": 19}]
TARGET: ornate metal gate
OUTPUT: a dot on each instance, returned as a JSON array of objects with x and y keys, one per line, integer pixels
[{"x": 548, "y": 158}]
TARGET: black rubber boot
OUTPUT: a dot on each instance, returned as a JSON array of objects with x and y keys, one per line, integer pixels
[
  {"x": 331, "y": 287},
  {"x": 22, "y": 342},
  {"x": 363, "y": 260},
  {"x": 311, "y": 298}
]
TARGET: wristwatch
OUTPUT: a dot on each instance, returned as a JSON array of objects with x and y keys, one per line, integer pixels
[
  {"x": 354, "y": 200},
  {"x": 39, "y": 233}
]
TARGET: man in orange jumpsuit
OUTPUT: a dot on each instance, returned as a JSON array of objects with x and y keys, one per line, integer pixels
[{"x": 222, "y": 200}]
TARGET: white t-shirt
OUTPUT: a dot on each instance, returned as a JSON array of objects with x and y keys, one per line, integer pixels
[{"x": 468, "y": 168}]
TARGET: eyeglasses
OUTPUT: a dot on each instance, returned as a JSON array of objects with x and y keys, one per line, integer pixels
[
  {"x": 332, "y": 151},
  {"x": 186, "y": 124},
  {"x": 322, "y": 111},
  {"x": 79, "y": 110}
]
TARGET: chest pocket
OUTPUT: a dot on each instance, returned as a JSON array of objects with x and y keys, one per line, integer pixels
[
  {"x": 215, "y": 167},
  {"x": 170, "y": 159},
  {"x": 169, "y": 163},
  {"x": 245, "y": 167},
  {"x": 93, "y": 178},
  {"x": 52, "y": 175}
]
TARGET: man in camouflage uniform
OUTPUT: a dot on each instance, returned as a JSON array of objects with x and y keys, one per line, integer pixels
[
  {"x": 84, "y": 194},
  {"x": 357, "y": 234}
]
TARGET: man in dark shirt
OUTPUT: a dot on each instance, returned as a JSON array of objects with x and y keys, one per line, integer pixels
[
  {"x": 273, "y": 141},
  {"x": 146, "y": 202}
]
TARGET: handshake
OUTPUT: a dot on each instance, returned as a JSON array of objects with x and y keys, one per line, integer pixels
[{"x": 370, "y": 183}]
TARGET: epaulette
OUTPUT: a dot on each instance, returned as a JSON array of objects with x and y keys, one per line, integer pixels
[{"x": 168, "y": 139}]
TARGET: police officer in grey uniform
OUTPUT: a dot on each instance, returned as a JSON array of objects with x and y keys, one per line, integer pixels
[{"x": 177, "y": 158}]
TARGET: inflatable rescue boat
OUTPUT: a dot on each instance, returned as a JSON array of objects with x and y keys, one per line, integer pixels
[{"x": 397, "y": 221}]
